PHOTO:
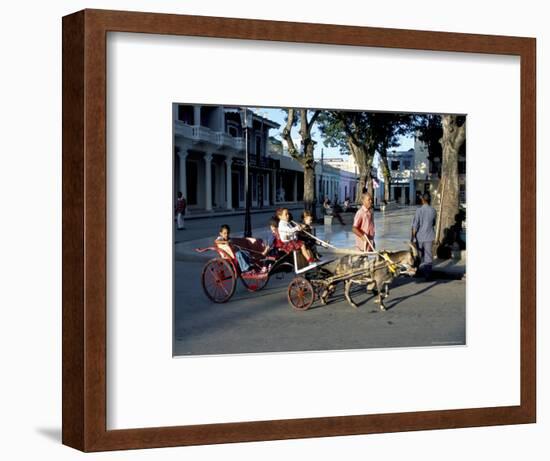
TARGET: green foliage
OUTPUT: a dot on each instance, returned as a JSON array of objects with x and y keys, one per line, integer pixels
[
  {"x": 388, "y": 127},
  {"x": 430, "y": 131},
  {"x": 337, "y": 127},
  {"x": 381, "y": 130}
]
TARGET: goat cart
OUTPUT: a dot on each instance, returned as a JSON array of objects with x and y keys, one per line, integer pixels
[
  {"x": 321, "y": 283},
  {"x": 372, "y": 270},
  {"x": 311, "y": 282}
]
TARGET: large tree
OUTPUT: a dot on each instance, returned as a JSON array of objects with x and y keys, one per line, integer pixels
[
  {"x": 305, "y": 155},
  {"x": 353, "y": 133},
  {"x": 444, "y": 137},
  {"x": 454, "y": 134}
]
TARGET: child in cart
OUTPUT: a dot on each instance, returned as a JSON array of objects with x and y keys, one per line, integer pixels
[
  {"x": 307, "y": 226},
  {"x": 288, "y": 234},
  {"x": 242, "y": 257},
  {"x": 274, "y": 245}
]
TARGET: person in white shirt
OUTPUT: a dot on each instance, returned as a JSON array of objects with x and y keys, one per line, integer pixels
[{"x": 287, "y": 234}]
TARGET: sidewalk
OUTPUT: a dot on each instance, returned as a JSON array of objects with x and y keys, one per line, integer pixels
[
  {"x": 392, "y": 233},
  {"x": 200, "y": 214}
]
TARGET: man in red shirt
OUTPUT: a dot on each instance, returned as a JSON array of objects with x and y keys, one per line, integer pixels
[{"x": 363, "y": 224}]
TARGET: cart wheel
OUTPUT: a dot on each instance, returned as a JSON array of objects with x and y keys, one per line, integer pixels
[
  {"x": 300, "y": 294},
  {"x": 218, "y": 280},
  {"x": 255, "y": 283}
]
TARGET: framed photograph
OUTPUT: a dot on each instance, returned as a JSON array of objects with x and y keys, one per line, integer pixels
[{"x": 279, "y": 230}]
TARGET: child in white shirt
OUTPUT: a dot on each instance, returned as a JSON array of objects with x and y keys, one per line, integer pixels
[{"x": 287, "y": 234}]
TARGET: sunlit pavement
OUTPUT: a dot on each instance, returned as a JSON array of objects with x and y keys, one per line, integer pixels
[
  {"x": 419, "y": 313},
  {"x": 393, "y": 231}
]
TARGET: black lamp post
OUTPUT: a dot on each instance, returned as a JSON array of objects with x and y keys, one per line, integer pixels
[{"x": 246, "y": 122}]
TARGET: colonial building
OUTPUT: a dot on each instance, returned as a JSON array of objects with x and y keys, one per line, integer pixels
[
  {"x": 427, "y": 172},
  {"x": 209, "y": 164},
  {"x": 401, "y": 165},
  {"x": 327, "y": 180},
  {"x": 335, "y": 180}
]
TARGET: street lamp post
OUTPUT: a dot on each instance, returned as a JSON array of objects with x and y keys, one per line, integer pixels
[{"x": 246, "y": 122}]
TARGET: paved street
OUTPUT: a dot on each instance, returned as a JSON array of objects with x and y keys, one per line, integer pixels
[{"x": 419, "y": 313}]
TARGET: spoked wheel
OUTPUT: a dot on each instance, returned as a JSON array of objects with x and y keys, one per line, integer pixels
[
  {"x": 218, "y": 280},
  {"x": 300, "y": 294},
  {"x": 253, "y": 283}
]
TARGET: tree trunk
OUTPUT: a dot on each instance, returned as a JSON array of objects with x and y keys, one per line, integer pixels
[
  {"x": 306, "y": 158},
  {"x": 370, "y": 186},
  {"x": 309, "y": 188},
  {"x": 363, "y": 160},
  {"x": 309, "y": 185},
  {"x": 387, "y": 176},
  {"x": 369, "y": 156},
  {"x": 449, "y": 189},
  {"x": 387, "y": 189},
  {"x": 360, "y": 188}
]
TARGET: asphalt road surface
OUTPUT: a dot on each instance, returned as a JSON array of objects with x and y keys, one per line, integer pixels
[{"x": 419, "y": 314}]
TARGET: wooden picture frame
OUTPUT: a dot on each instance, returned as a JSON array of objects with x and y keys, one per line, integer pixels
[{"x": 85, "y": 222}]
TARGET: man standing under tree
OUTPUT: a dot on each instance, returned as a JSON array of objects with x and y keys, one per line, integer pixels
[
  {"x": 423, "y": 233},
  {"x": 363, "y": 224}
]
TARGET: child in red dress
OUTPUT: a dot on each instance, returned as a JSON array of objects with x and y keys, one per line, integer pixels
[{"x": 287, "y": 234}]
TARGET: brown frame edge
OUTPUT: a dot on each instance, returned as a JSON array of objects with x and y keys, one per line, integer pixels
[{"x": 84, "y": 230}]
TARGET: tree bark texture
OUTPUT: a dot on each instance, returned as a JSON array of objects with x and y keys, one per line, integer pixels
[
  {"x": 363, "y": 159},
  {"x": 449, "y": 189},
  {"x": 387, "y": 175}
]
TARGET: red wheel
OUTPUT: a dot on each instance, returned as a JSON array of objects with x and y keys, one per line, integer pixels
[
  {"x": 255, "y": 283},
  {"x": 300, "y": 294},
  {"x": 218, "y": 280}
]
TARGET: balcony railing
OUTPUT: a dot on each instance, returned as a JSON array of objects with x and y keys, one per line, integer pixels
[
  {"x": 405, "y": 174},
  {"x": 202, "y": 134}
]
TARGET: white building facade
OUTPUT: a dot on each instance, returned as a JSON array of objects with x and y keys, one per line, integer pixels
[
  {"x": 402, "y": 166},
  {"x": 427, "y": 172},
  {"x": 209, "y": 162},
  {"x": 336, "y": 179}
]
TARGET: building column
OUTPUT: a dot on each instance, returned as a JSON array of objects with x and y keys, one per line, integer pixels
[
  {"x": 273, "y": 179},
  {"x": 197, "y": 115},
  {"x": 208, "y": 181},
  {"x": 228, "y": 188},
  {"x": 295, "y": 191},
  {"x": 222, "y": 119},
  {"x": 183, "y": 172},
  {"x": 412, "y": 193}
]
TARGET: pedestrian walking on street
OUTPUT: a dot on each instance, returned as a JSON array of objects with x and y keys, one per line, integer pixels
[
  {"x": 181, "y": 205},
  {"x": 423, "y": 233},
  {"x": 333, "y": 210},
  {"x": 363, "y": 224}
]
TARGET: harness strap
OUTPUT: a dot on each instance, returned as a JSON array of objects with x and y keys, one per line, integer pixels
[{"x": 391, "y": 265}]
